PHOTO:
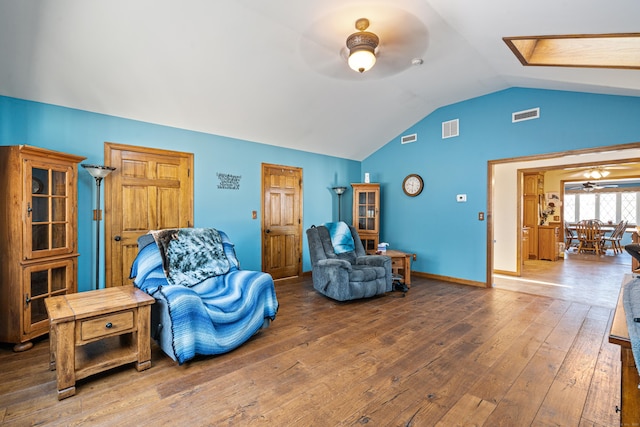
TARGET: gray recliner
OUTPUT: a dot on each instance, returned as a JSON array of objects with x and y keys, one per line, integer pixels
[{"x": 350, "y": 275}]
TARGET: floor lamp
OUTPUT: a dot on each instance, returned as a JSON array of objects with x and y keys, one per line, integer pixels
[
  {"x": 339, "y": 191},
  {"x": 98, "y": 172}
]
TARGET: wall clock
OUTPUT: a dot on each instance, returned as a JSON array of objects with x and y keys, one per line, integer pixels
[{"x": 412, "y": 185}]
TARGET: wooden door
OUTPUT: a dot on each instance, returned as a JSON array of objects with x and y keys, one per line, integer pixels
[
  {"x": 530, "y": 219},
  {"x": 282, "y": 221},
  {"x": 150, "y": 189}
]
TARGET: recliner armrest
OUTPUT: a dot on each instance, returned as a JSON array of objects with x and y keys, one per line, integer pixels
[
  {"x": 373, "y": 260},
  {"x": 334, "y": 263}
]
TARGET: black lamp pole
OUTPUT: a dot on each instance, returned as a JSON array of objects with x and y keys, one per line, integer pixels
[
  {"x": 339, "y": 191},
  {"x": 99, "y": 173}
]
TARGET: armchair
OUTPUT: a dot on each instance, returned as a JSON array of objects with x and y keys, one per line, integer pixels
[
  {"x": 350, "y": 273},
  {"x": 205, "y": 304}
]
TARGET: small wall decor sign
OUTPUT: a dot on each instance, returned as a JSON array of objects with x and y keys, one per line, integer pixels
[{"x": 228, "y": 181}]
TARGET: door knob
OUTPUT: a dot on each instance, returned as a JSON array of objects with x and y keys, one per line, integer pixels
[
  {"x": 117, "y": 238},
  {"x": 267, "y": 231}
]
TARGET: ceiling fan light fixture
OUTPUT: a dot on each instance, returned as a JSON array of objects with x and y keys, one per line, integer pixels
[
  {"x": 596, "y": 173},
  {"x": 362, "y": 47}
]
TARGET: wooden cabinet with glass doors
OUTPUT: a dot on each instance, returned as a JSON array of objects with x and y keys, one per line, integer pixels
[
  {"x": 366, "y": 214},
  {"x": 38, "y": 237}
]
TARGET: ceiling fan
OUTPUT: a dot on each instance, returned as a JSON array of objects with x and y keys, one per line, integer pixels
[
  {"x": 590, "y": 186},
  {"x": 598, "y": 172},
  {"x": 402, "y": 41}
]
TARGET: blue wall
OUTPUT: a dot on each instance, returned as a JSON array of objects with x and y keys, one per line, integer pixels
[
  {"x": 84, "y": 133},
  {"x": 447, "y": 236}
]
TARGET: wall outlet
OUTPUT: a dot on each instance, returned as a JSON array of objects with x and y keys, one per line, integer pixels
[{"x": 461, "y": 198}]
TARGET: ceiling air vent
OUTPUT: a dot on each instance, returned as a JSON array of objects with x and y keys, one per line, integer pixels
[
  {"x": 409, "y": 138},
  {"x": 450, "y": 129},
  {"x": 520, "y": 116}
]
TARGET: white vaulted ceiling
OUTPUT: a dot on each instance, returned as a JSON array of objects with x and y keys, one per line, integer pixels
[{"x": 274, "y": 71}]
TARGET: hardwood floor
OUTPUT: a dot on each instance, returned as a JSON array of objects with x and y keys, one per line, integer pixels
[
  {"x": 444, "y": 355},
  {"x": 587, "y": 278}
]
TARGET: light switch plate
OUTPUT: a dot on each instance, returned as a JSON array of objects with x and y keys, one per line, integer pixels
[{"x": 461, "y": 198}]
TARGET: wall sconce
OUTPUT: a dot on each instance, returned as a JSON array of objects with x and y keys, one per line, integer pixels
[
  {"x": 99, "y": 173},
  {"x": 339, "y": 191}
]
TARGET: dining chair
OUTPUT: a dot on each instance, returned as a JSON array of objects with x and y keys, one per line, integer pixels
[
  {"x": 569, "y": 236},
  {"x": 590, "y": 235},
  {"x": 616, "y": 237}
]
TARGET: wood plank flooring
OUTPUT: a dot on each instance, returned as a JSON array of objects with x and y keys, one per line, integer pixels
[{"x": 444, "y": 355}]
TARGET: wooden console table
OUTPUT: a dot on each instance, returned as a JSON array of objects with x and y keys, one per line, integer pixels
[
  {"x": 93, "y": 331},
  {"x": 630, "y": 394}
]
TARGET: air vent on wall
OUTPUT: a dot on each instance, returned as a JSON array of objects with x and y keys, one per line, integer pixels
[
  {"x": 450, "y": 129},
  {"x": 409, "y": 138},
  {"x": 520, "y": 116}
]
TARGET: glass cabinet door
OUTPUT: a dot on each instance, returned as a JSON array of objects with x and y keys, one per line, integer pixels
[
  {"x": 42, "y": 281},
  {"x": 367, "y": 210},
  {"x": 47, "y": 216}
]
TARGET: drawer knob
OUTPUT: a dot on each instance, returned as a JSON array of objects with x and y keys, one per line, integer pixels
[{"x": 109, "y": 325}]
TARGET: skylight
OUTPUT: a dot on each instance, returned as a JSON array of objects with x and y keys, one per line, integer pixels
[{"x": 620, "y": 50}]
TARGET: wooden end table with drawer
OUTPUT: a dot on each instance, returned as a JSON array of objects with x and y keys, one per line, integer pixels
[{"x": 93, "y": 331}]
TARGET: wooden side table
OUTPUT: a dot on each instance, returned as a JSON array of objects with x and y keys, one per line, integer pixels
[
  {"x": 401, "y": 264},
  {"x": 93, "y": 331},
  {"x": 629, "y": 379}
]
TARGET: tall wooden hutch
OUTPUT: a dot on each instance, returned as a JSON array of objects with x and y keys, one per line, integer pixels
[
  {"x": 366, "y": 214},
  {"x": 38, "y": 237}
]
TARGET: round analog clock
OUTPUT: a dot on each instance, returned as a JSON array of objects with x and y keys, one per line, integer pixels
[{"x": 412, "y": 185}]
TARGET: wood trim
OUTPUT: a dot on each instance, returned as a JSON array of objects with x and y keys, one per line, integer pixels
[
  {"x": 612, "y": 50},
  {"x": 508, "y": 273},
  {"x": 556, "y": 154},
  {"x": 448, "y": 279}
]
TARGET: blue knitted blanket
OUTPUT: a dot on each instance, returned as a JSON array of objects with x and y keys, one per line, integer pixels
[
  {"x": 631, "y": 302},
  {"x": 341, "y": 237},
  {"x": 214, "y": 316}
]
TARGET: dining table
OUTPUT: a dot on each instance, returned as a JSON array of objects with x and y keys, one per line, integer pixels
[{"x": 606, "y": 228}]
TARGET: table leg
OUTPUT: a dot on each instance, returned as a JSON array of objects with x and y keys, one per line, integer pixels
[
  {"x": 407, "y": 271},
  {"x": 64, "y": 358},
  {"x": 52, "y": 348},
  {"x": 143, "y": 338}
]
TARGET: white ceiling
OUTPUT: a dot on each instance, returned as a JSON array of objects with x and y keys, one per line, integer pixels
[{"x": 272, "y": 71}]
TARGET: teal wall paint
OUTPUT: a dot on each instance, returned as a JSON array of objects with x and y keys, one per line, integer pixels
[
  {"x": 446, "y": 235},
  {"x": 84, "y": 133}
]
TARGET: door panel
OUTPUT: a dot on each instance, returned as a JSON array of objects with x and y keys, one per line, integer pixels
[
  {"x": 150, "y": 189},
  {"x": 282, "y": 221}
]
